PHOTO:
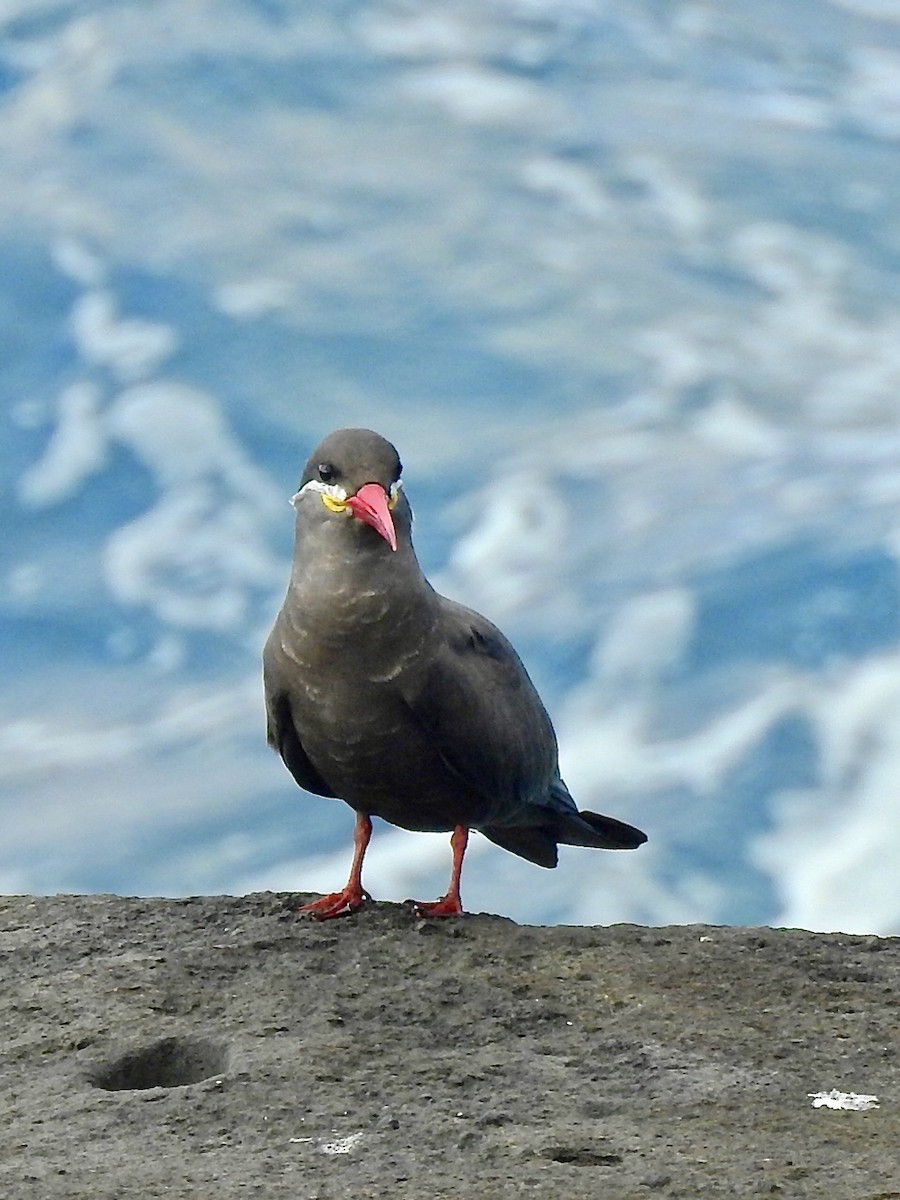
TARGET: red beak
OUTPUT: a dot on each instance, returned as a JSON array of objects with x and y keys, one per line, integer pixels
[{"x": 370, "y": 504}]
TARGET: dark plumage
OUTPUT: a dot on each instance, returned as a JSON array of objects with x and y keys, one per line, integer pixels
[{"x": 403, "y": 703}]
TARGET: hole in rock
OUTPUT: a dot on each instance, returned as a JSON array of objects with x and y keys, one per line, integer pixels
[
  {"x": 169, "y": 1062},
  {"x": 582, "y": 1156}
]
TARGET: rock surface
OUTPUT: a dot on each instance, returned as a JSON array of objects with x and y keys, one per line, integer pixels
[{"x": 221, "y": 1047}]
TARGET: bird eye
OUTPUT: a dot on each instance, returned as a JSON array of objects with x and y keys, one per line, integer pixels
[{"x": 326, "y": 472}]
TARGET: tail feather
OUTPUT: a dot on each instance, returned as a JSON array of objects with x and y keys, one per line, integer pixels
[
  {"x": 535, "y": 843},
  {"x": 574, "y": 828},
  {"x": 593, "y": 829},
  {"x": 538, "y": 843}
]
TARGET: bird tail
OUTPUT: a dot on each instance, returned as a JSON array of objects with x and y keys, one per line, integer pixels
[
  {"x": 537, "y": 843},
  {"x": 574, "y": 828},
  {"x": 558, "y": 820},
  {"x": 593, "y": 829}
]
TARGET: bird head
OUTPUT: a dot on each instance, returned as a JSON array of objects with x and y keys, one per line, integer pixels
[{"x": 355, "y": 473}]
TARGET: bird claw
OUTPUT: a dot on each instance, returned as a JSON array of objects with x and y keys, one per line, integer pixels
[
  {"x": 447, "y": 906},
  {"x": 336, "y": 904}
]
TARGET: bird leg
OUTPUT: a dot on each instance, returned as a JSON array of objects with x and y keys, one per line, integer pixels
[
  {"x": 449, "y": 905},
  {"x": 340, "y": 904}
]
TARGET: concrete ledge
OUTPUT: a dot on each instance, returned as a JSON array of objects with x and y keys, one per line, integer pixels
[{"x": 220, "y": 1047}]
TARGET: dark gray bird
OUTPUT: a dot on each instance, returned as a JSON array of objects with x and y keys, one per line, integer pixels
[{"x": 408, "y": 706}]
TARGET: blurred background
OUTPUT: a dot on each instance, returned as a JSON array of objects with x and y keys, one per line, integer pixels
[{"x": 620, "y": 280}]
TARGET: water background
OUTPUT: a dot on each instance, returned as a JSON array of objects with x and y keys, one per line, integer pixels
[{"x": 621, "y": 282}]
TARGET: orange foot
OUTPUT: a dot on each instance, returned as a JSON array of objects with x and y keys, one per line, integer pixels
[
  {"x": 337, "y": 904},
  {"x": 447, "y": 906}
]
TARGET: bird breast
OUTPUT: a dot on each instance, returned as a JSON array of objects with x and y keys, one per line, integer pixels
[{"x": 354, "y": 634}]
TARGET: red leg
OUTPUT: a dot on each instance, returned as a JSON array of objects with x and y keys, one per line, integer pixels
[
  {"x": 449, "y": 905},
  {"x": 339, "y": 904}
]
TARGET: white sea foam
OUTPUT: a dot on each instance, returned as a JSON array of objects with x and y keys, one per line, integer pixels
[
  {"x": 106, "y": 772},
  {"x": 829, "y": 850},
  {"x": 75, "y": 259},
  {"x": 76, "y": 450},
  {"x": 503, "y": 562},
  {"x": 199, "y": 554},
  {"x": 872, "y": 93},
  {"x": 132, "y": 349},
  {"x": 477, "y": 95},
  {"x": 250, "y": 299}
]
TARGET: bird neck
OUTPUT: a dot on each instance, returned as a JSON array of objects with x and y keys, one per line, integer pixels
[{"x": 376, "y": 605}]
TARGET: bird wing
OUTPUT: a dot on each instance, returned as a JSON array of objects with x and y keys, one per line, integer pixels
[
  {"x": 481, "y": 711},
  {"x": 281, "y": 732}
]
